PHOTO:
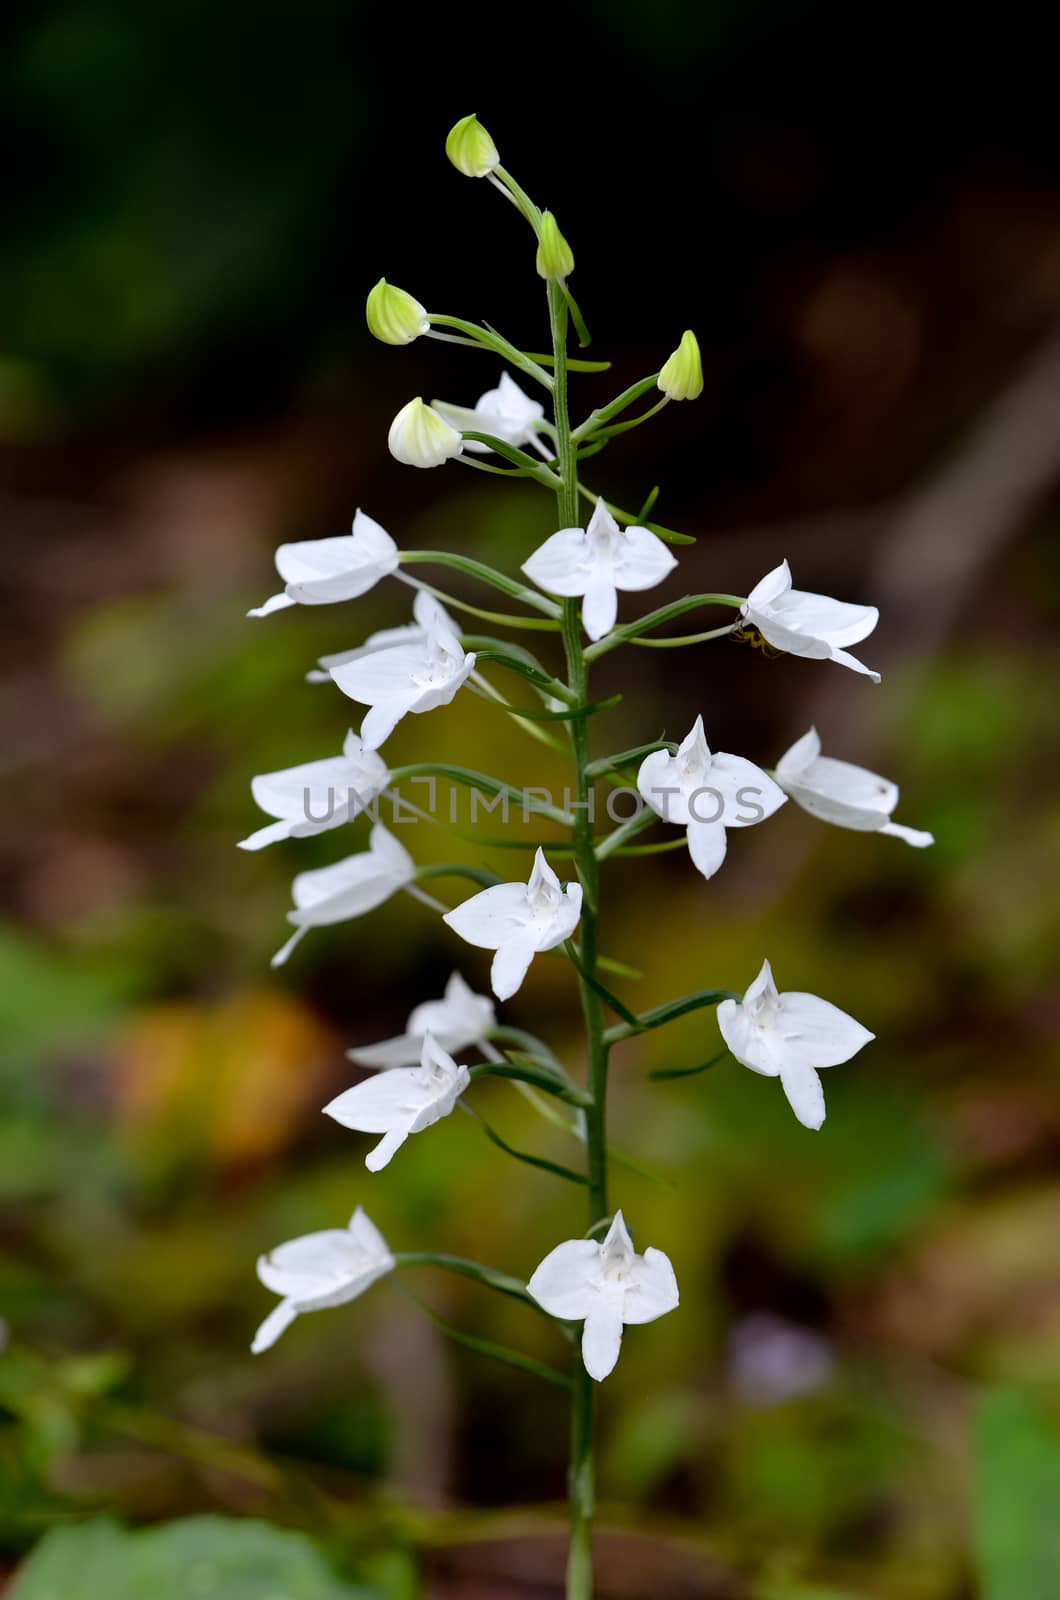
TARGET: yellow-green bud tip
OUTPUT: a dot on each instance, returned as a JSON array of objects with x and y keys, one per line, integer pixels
[
  {"x": 394, "y": 316},
  {"x": 682, "y": 375},
  {"x": 470, "y": 148},
  {"x": 555, "y": 258}
]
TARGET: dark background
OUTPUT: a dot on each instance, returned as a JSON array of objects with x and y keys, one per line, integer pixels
[{"x": 859, "y": 215}]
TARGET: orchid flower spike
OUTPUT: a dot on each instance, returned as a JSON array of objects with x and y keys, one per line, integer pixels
[
  {"x": 317, "y": 795},
  {"x": 837, "y": 791},
  {"x": 605, "y": 1285},
  {"x": 518, "y": 920},
  {"x": 505, "y": 412},
  {"x": 460, "y": 1021},
  {"x": 419, "y": 437},
  {"x": 598, "y": 561},
  {"x": 807, "y": 624},
  {"x": 317, "y": 572},
  {"x": 425, "y": 611},
  {"x": 790, "y": 1037},
  {"x": 707, "y": 794},
  {"x": 320, "y": 1270},
  {"x": 402, "y": 1101},
  {"x": 348, "y": 888},
  {"x": 405, "y": 678}
]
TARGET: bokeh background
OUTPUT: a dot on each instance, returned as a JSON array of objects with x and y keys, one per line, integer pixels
[{"x": 860, "y": 216}]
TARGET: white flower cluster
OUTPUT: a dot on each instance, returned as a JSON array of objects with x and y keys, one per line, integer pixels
[{"x": 417, "y": 1077}]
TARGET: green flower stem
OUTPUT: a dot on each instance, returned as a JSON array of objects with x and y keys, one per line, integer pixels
[
  {"x": 490, "y": 339},
  {"x": 656, "y": 619},
  {"x": 581, "y": 1471},
  {"x": 604, "y": 414},
  {"x": 478, "y": 569}
]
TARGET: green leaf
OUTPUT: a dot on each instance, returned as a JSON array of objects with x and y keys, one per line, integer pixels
[
  {"x": 1017, "y": 1492},
  {"x": 215, "y": 1558},
  {"x": 594, "y": 983},
  {"x": 687, "y": 1072},
  {"x": 554, "y": 1167},
  {"x": 487, "y": 1347}
]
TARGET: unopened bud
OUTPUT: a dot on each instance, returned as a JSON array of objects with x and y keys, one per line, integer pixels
[
  {"x": 470, "y": 148},
  {"x": 682, "y": 375},
  {"x": 555, "y": 258},
  {"x": 394, "y": 316},
  {"x": 419, "y": 437}
]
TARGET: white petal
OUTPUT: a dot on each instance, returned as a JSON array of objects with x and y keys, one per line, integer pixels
[
  {"x": 600, "y": 606},
  {"x": 913, "y": 836},
  {"x": 748, "y": 794},
  {"x": 844, "y": 659},
  {"x": 383, "y": 674},
  {"x": 805, "y": 1094},
  {"x": 543, "y": 881},
  {"x": 836, "y": 621},
  {"x": 750, "y": 1045},
  {"x": 707, "y": 845},
  {"x": 763, "y": 988},
  {"x": 387, "y": 851},
  {"x": 491, "y": 917},
  {"x": 660, "y": 784},
  {"x": 403, "y": 1051},
  {"x": 366, "y": 1235},
  {"x": 817, "y": 1032},
  {"x": 642, "y": 560},
  {"x": 386, "y": 1149},
  {"x": 561, "y": 565},
  {"x": 799, "y": 757},
  {"x": 563, "y": 1283},
  {"x": 564, "y": 919},
  {"x": 769, "y": 588},
  {"x": 511, "y": 964},
  {"x": 278, "y": 1321},
  {"x": 284, "y": 952},
  {"x": 276, "y": 602},
  {"x": 270, "y": 834},
  {"x": 602, "y": 1335},
  {"x": 308, "y": 1267},
  {"x": 380, "y": 722},
  {"x": 652, "y": 1288},
  {"x": 379, "y": 1103}
]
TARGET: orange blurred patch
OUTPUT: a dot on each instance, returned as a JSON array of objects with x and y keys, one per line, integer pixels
[{"x": 227, "y": 1082}]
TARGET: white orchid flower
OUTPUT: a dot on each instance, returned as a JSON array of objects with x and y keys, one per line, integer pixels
[
  {"x": 348, "y": 888},
  {"x": 605, "y": 1285},
  {"x": 402, "y": 1101},
  {"x": 790, "y": 1037},
  {"x": 707, "y": 793},
  {"x": 419, "y": 437},
  {"x": 317, "y": 795},
  {"x": 458, "y": 1022},
  {"x": 318, "y": 572},
  {"x": 518, "y": 920},
  {"x": 425, "y": 610},
  {"x": 320, "y": 1270},
  {"x": 596, "y": 562},
  {"x": 403, "y": 678},
  {"x": 505, "y": 412},
  {"x": 839, "y": 792},
  {"x": 805, "y": 624}
]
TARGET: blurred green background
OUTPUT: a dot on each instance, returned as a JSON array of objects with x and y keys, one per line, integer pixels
[{"x": 860, "y": 1396}]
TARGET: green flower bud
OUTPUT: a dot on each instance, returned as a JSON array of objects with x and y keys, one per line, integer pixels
[
  {"x": 555, "y": 258},
  {"x": 682, "y": 375},
  {"x": 470, "y": 148},
  {"x": 394, "y": 316}
]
